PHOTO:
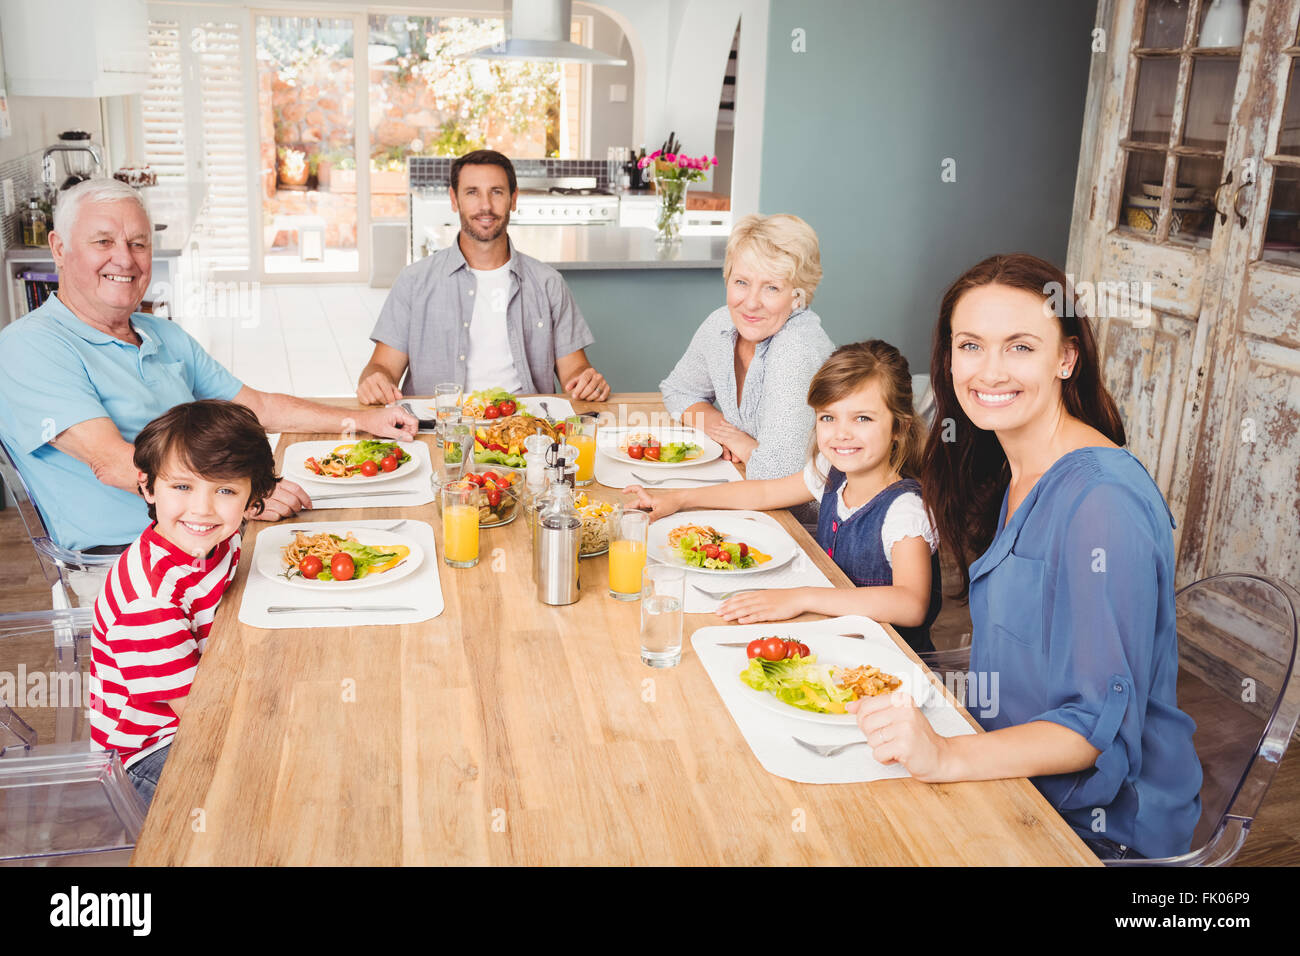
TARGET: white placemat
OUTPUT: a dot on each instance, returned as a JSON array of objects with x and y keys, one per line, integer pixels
[
  {"x": 770, "y": 734},
  {"x": 421, "y": 590},
  {"x": 616, "y": 474},
  {"x": 414, "y": 489},
  {"x": 801, "y": 572},
  {"x": 427, "y": 408}
]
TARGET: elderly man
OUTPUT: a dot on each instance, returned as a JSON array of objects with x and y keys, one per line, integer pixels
[
  {"x": 85, "y": 372},
  {"x": 480, "y": 313}
]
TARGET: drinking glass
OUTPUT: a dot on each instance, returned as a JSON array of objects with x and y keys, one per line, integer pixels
[
  {"x": 446, "y": 399},
  {"x": 460, "y": 524},
  {"x": 663, "y": 591},
  {"x": 582, "y": 436},
  {"x": 457, "y": 448},
  {"x": 627, "y": 533}
]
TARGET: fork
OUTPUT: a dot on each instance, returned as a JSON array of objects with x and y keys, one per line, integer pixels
[
  {"x": 549, "y": 416},
  {"x": 827, "y": 750},
  {"x": 389, "y": 528},
  {"x": 660, "y": 481},
  {"x": 721, "y": 595}
]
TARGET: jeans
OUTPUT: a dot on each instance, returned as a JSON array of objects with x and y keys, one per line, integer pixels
[
  {"x": 1110, "y": 850},
  {"x": 144, "y": 773}
]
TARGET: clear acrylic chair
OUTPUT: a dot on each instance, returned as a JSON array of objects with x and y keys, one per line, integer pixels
[
  {"x": 1237, "y": 637},
  {"x": 61, "y": 803},
  {"x": 74, "y": 577}
]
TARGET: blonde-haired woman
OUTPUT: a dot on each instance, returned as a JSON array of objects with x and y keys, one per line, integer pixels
[{"x": 744, "y": 378}]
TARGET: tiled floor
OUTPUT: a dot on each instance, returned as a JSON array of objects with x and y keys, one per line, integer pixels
[{"x": 307, "y": 340}]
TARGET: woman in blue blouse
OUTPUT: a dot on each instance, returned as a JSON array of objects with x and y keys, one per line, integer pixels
[
  {"x": 1072, "y": 592},
  {"x": 744, "y": 378}
]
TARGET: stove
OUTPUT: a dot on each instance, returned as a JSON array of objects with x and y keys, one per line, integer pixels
[{"x": 563, "y": 202}]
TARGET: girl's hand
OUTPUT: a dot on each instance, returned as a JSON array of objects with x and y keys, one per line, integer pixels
[
  {"x": 778, "y": 604},
  {"x": 736, "y": 445},
  {"x": 660, "y": 504},
  {"x": 899, "y": 733}
]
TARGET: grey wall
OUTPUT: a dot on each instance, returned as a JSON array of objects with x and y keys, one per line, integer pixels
[{"x": 856, "y": 128}]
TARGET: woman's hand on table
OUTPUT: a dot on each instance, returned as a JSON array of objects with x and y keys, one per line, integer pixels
[
  {"x": 287, "y": 500},
  {"x": 736, "y": 445},
  {"x": 899, "y": 733},
  {"x": 389, "y": 422},
  {"x": 588, "y": 386},
  {"x": 660, "y": 504},
  {"x": 776, "y": 604},
  {"x": 378, "y": 388}
]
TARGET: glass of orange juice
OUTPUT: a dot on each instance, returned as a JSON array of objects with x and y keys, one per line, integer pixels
[
  {"x": 582, "y": 436},
  {"x": 460, "y": 524},
  {"x": 627, "y": 533}
]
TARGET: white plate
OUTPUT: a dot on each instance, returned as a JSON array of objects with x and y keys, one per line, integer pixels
[
  {"x": 754, "y": 533},
  {"x": 295, "y": 455},
  {"x": 271, "y": 563},
  {"x": 889, "y": 661},
  {"x": 609, "y": 441}
]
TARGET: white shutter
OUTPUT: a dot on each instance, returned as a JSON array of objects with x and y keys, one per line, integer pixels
[
  {"x": 219, "y": 55},
  {"x": 162, "y": 107}
]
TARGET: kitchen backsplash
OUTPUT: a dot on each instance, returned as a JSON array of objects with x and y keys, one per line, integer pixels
[
  {"x": 24, "y": 171},
  {"x": 427, "y": 172}
]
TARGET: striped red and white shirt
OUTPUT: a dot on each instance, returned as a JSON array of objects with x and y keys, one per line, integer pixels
[{"x": 151, "y": 624}]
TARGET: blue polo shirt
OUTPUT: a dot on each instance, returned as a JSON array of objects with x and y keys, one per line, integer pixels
[
  {"x": 55, "y": 372},
  {"x": 1073, "y": 610}
]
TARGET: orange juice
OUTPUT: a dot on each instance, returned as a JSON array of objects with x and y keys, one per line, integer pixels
[
  {"x": 586, "y": 445},
  {"x": 460, "y": 534},
  {"x": 626, "y": 559}
]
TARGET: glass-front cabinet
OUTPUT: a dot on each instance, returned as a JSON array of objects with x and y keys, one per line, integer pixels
[{"x": 1187, "y": 226}]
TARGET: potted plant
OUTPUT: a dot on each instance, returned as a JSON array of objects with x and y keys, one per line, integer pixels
[{"x": 672, "y": 171}]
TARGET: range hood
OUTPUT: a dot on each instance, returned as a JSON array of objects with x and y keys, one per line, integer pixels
[{"x": 539, "y": 30}]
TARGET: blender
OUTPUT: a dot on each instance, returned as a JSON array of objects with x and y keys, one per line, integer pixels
[{"x": 81, "y": 159}]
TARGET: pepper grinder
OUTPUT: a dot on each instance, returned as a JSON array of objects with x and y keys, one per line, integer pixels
[{"x": 559, "y": 535}]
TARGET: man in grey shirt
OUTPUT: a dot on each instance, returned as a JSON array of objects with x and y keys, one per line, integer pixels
[{"x": 480, "y": 313}]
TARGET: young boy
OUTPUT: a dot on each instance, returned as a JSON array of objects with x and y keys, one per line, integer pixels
[{"x": 199, "y": 466}]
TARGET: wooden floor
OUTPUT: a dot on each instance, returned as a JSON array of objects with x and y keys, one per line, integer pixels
[{"x": 1274, "y": 839}]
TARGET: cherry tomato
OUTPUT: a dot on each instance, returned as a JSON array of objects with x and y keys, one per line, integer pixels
[
  {"x": 804, "y": 651},
  {"x": 507, "y": 408},
  {"x": 369, "y": 469},
  {"x": 310, "y": 566},
  {"x": 773, "y": 649},
  {"x": 341, "y": 566},
  {"x": 559, "y": 427},
  {"x": 635, "y": 451},
  {"x": 493, "y": 497},
  {"x": 724, "y": 555},
  {"x": 477, "y": 479},
  {"x": 491, "y": 412},
  {"x": 492, "y": 477},
  {"x": 755, "y": 647},
  {"x": 652, "y": 452},
  {"x": 744, "y": 550},
  {"x": 712, "y": 550},
  {"x": 389, "y": 463}
]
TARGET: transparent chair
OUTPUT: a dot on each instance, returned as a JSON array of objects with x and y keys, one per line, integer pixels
[
  {"x": 74, "y": 577},
  {"x": 1237, "y": 637},
  {"x": 61, "y": 803}
]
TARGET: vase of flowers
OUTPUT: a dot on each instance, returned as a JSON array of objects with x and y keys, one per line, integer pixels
[{"x": 672, "y": 172}]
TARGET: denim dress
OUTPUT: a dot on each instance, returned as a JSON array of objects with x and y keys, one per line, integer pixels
[{"x": 855, "y": 545}]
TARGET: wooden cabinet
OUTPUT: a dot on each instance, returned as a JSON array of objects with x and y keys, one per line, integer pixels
[{"x": 1187, "y": 231}]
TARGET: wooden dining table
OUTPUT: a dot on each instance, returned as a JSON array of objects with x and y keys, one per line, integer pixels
[{"x": 507, "y": 731}]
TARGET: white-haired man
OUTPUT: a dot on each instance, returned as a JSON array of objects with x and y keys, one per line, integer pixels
[{"x": 85, "y": 372}]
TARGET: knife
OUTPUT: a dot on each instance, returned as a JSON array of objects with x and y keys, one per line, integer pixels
[
  {"x": 280, "y": 608},
  {"x": 362, "y": 494}
]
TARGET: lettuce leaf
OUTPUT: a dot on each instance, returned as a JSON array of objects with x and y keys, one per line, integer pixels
[{"x": 800, "y": 682}]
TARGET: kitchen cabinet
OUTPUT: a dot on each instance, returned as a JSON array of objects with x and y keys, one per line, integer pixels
[
  {"x": 74, "y": 48},
  {"x": 1189, "y": 196}
]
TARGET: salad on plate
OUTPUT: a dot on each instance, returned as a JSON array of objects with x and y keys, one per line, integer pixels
[
  {"x": 361, "y": 459},
  {"x": 332, "y": 557},
  {"x": 788, "y": 671},
  {"x": 700, "y": 546}
]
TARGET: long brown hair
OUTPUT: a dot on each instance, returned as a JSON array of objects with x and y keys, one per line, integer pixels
[
  {"x": 964, "y": 469},
  {"x": 848, "y": 369}
]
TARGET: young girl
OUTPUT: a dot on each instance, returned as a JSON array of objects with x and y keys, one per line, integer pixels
[
  {"x": 872, "y": 523},
  {"x": 1072, "y": 581}
]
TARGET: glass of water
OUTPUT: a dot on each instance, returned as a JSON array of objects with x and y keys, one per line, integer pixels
[
  {"x": 446, "y": 398},
  {"x": 663, "y": 592},
  {"x": 457, "y": 448}
]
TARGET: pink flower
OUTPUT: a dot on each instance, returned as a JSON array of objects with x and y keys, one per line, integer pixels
[
  {"x": 643, "y": 162},
  {"x": 655, "y": 154},
  {"x": 670, "y": 157},
  {"x": 715, "y": 160},
  {"x": 682, "y": 162}
]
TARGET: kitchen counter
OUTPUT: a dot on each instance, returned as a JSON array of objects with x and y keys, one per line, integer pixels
[
  {"x": 177, "y": 206},
  {"x": 604, "y": 247}
]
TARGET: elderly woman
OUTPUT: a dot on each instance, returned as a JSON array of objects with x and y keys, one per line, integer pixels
[
  {"x": 744, "y": 379},
  {"x": 85, "y": 372}
]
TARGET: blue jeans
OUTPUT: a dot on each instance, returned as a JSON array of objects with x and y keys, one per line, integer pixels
[
  {"x": 1110, "y": 850},
  {"x": 144, "y": 773}
]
